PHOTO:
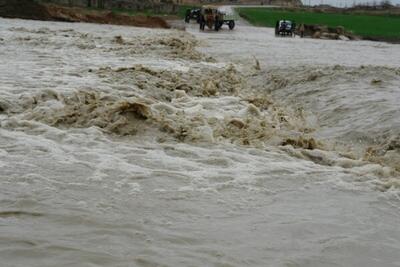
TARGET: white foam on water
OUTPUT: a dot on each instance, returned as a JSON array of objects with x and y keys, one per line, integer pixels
[{"x": 142, "y": 151}]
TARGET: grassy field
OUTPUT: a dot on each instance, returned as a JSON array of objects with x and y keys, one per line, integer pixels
[
  {"x": 384, "y": 26},
  {"x": 182, "y": 11}
]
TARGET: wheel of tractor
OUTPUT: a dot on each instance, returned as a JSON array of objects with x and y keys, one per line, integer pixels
[{"x": 231, "y": 25}]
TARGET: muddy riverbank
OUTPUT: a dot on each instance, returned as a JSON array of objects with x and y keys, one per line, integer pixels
[{"x": 49, "y": 12}]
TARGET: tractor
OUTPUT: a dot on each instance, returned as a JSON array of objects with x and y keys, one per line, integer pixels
[
  {"x": 192, "y": 14},
  {"x": 285, "y": 27},
  {"x": 214, "y": 19}
]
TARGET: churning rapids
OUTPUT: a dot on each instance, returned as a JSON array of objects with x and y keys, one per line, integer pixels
[{"x": 124, "y": 146}]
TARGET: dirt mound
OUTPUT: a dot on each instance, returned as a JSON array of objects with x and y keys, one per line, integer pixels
[
  {"x": 103, "y": 17},
  {"x": 28, "y": 9},
  {"x": 24, "y": 9},
  {"x": 325, "y": 32}
]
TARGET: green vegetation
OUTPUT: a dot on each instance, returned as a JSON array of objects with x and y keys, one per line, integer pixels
[
  {"x": 145, "y": 12},
  {"x": 386, "y": 26},
  {"x": 129, "y": 12},
  {"x": 182, "y": 11},
  {"x": 122, "y": 11}
]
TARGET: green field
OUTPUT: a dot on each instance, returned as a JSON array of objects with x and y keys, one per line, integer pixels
[
  {"x": 182, "y": 11},
  {"x": 364, "y": 25}
]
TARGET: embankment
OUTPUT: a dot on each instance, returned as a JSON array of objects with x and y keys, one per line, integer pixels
[{"x": 31, "y": 10}]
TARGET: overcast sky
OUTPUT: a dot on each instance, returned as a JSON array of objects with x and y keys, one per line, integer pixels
[{"x": 343, "y": 3}]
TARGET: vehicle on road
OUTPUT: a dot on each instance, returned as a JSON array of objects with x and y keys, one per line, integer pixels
[
  {"x": 214, "y": 19},
  {"x": 285, "y": 28},
  {"x": 193, "y": 14}
]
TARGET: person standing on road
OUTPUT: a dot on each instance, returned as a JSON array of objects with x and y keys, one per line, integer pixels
[{"x": 301, "y": 30}]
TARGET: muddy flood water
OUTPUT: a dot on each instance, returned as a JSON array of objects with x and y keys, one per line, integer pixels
[{"x": 123, "y": 146}]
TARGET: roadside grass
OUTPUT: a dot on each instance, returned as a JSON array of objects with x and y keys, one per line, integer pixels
[
  {"x": 386, "y": 26},
  {"x": 182, "y": 10}
]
